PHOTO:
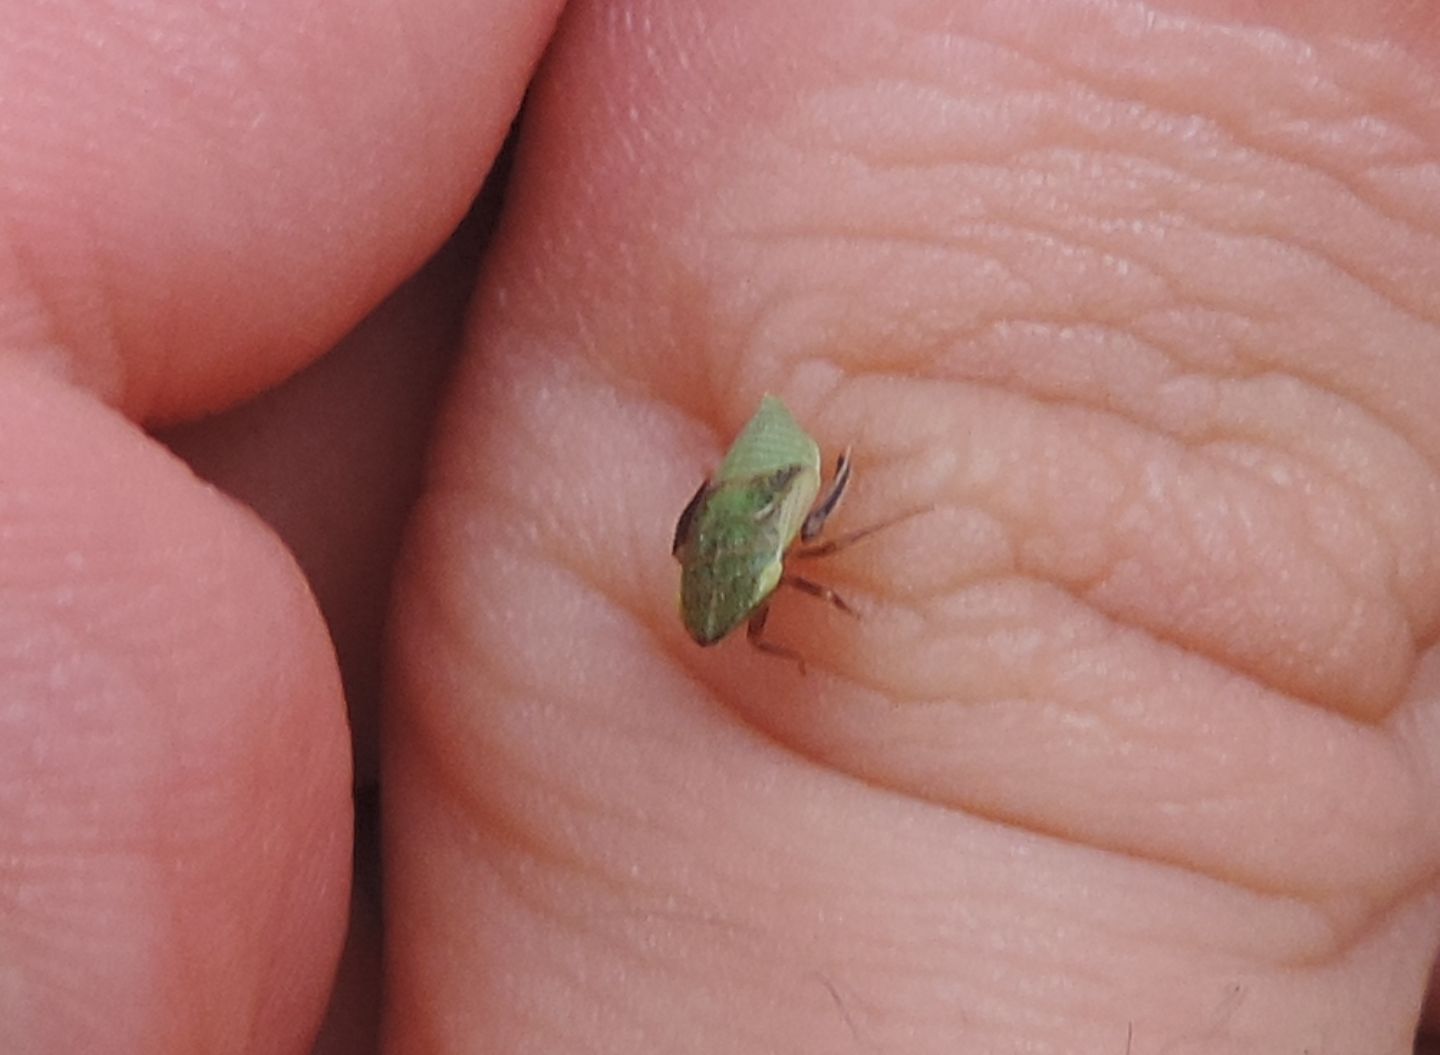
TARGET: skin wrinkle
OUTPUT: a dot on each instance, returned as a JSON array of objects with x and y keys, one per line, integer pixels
[
  {"x": 1267, "y": 366},
  {"x": 555, "y": 899},
  {"x": 1080, "y": 588},
  {"x": 1197, "y": 36},
  {"x": 1115, "y": 321},
  {"x": 1024, "y": 819},
  {"x": 1017, "y": 820},
  {"x": 1369, "y": 282},
  {"x": 586, "y": 924},
  {"x": 447, "y": 766},
  {"x": 913, "y": 697},
  {"x": 1131, "y": 497},
  {"x": 1414, "y": 449},
  {"x": 1196, "y": 438},
  {"x": 497, "y": 823},
  {"x": 1090, "y": 88},
  {"x": 1358, "y": 501},
  {"x": 1061, "y": 236},
  {"x": 584, "y": 810},
  {"x": 861, "y": 1043},
  {"x": 1347, "y": 931},
  {"x": 1198, "y": 441},
  {"x": 587, "y": 917},
  {"x": 765, "y": 240},
  {"x": 1353, "y": 579},
  {"x": 1291, "y": 242},
  {"x": 791, "y": 749},
  {"x": 1049, "y": 239},
  {"x": 767, "y": 307},
  {"x": 1154, "y": 119},
  {"x": 533, "y": 775}
]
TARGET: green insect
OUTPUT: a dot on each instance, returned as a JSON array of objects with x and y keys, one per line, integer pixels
[{"x": 735, "y": 534}]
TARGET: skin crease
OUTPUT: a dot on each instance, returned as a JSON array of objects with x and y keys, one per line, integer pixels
[{"x": 1136, "y": 738}]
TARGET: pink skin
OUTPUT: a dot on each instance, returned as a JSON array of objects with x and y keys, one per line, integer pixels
[
  {"x": 1139, "y": 733},
  {"x": 196, "y": 200}
]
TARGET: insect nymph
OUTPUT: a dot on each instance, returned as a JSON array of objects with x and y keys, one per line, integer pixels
[{"x": 735, "y": 534}]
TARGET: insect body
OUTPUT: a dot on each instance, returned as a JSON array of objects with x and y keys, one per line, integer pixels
[{"x": 734, "y": 535}]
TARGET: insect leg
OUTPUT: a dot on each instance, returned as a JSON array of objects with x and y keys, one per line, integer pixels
[
  {"x": 814, "y": 589},
  {"x": 686, "y": 522},
  {"x": 755, "y": 634},
  {"x": 835, "y": 545},
  {"x": 815, "y": 522}
]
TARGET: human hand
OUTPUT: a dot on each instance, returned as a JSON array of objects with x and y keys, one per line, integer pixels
[{"x": 1133, "y": 744}]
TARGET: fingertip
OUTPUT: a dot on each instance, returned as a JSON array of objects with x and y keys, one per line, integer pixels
[
  {"x": 198, "y": 200},
  {"x": 176, "y": 799}
]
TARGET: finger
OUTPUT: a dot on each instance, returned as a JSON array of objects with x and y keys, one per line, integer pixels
[
  {"x": 358, "y": 421},
  {"x": 332, "y": 459},
  {"x": 199, "y": 199},
  {"x": 1143, "y": 734},
  {"x": 175, "y": 789}
]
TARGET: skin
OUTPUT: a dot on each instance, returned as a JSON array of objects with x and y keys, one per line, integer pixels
[{"x": 1137, "y": 740}]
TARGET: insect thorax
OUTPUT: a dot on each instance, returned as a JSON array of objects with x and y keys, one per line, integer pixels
[{"x": 732, "y": 555}]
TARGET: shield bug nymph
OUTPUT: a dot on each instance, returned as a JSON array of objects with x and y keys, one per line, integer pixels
[{"x": 734, "y": 536}]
